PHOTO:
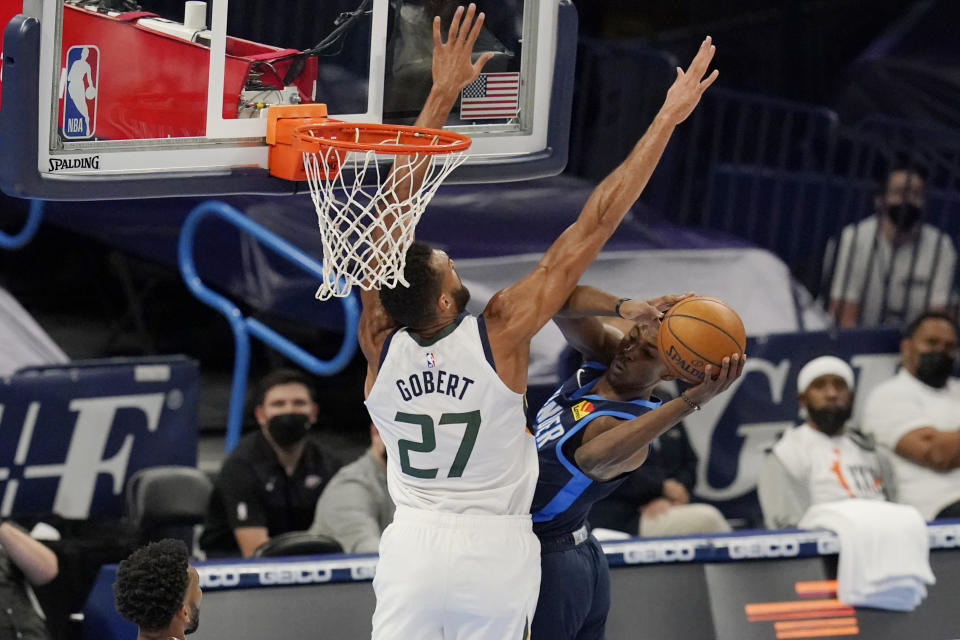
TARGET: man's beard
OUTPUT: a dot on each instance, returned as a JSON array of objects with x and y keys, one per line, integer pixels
[
  {"x": 461, "y": 297},
  {"x": 829, "y": 420},
  {"x": 194, "y": 620}
]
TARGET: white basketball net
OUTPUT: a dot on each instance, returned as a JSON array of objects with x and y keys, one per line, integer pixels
[{"x": 366, "y": 229}]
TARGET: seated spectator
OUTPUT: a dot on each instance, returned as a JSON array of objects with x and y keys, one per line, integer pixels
[
  {"x": 157, "y": 590},
  {"x": 916, "y": 414},
  {"x": 23, "y": 562},
  {"x": 271, "y": 482},
  {"x": 356, "y": 507},
  {"x": 655, "y": 499},
  {"x": 892, "y": 265},
  {"x": 821, "y": 460}
]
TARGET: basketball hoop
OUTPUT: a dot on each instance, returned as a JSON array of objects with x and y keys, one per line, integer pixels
[{"x": 366, "y": 213}]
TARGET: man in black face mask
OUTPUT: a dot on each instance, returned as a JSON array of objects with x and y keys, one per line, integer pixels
[
  {"x": 157, "y": 590},
  {"x": 271, "y": 482},
  {"x": 916, "y": 414},
  {"x": 821, "y": 460},
  {"x": 892, "y": 265}
]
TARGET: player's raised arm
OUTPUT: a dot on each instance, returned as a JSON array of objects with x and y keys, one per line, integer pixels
[
  {"x": 453, "y": 69},
  {"x": 515, "y": 314},
  {"x": 611, "y": 447},
  {"x": 579, "y": 319}
]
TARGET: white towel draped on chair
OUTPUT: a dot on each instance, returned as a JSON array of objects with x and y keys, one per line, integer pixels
[{"x": 884, "y": 552}]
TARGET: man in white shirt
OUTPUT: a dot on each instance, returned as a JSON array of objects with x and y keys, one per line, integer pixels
[
  {"x": 916, "y": 414},
  {"x": 820, "y": 460},
  {"x": 891, "y": 266}
]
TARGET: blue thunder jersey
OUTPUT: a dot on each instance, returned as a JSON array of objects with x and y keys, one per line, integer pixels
[{"x": 564, "y": 493}]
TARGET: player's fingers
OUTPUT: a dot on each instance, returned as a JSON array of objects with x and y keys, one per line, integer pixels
[
  {"x": 734, "y": 365},
  {"x": 455, "y": 25},
  {"x": 732, "y": 373},
  {"x": 437, "y": 42},
  {"x": 707, "y": 374},
  {"x": 475, "y": 29},
  {"x": 698, "y": 66},
  {"x": 724, "y": 369},
  {"x": 709, "y": 80},
  {"x": 464, "y": 32},
  {"x": 482, "y": 60},
  {"x": 674, "y": 299}
]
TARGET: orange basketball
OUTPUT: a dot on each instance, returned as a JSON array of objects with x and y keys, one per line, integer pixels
[{"x": 699, "y": 331}]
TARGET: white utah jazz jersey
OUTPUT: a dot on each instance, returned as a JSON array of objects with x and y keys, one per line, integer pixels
[{"x": 455, "y": 434}]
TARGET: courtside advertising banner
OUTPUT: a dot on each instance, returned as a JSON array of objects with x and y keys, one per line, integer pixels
[{"x": 71, "y": 435}]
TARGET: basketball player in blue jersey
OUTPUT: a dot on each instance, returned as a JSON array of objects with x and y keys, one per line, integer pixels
[
  {"x": 590, "y": 434},
  {"x": 445, "y": 390}
]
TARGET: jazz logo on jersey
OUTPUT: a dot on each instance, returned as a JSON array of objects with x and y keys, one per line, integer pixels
[
  {"x": 79, "y": 83},
  {"x": 581, "y": 409},
  {"x": 431, "y": 360}
]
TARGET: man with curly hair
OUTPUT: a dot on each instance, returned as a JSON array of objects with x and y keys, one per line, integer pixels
[{"x": 158, "y": 590}]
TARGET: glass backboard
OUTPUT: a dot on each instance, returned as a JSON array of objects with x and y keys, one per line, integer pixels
[{"x": 110, "y": 99}]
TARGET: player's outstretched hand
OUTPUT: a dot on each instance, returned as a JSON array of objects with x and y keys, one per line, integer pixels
[
  {"x": 686, "y": 90},
  {"x": 452, "y": 65},
  {"x": 663, "y": 303},
  {"x": 650, "y": 312},
  {"x": 730, "y": 369}
]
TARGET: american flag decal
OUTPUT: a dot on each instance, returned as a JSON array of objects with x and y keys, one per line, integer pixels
[{"x": 492, "y": 95}]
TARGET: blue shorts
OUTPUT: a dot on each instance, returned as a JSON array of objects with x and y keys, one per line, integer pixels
[{"x": 574, "y": 592}]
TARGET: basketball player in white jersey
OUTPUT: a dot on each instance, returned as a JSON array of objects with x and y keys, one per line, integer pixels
[{"x": 445, "y": 391}]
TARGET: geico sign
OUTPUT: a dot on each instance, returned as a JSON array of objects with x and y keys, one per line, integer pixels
[
  {"x": 944, "y": 537},
  {"x": 660, "y": 552},
  {"x": 363, "y": 571},
  {"x": 218, "y": 578},
  {"x": 763, "y": 547},
  {"x": 295, "y": 574}
]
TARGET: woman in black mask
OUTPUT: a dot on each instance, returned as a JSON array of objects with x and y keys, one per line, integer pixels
[{"x": 821, "y": 460}]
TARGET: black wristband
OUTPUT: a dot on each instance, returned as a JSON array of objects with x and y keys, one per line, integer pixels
[
  {"x": 691, "y": 403},
  {"x": 616, "y": 309}
]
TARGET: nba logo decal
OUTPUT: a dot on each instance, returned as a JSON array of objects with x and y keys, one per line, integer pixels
[
  {"x": 431, "y": 361},
  {"x": 80, "y": 100}
]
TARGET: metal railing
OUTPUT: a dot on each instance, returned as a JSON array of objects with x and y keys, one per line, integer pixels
[
  {"x": 243, "y": 327},
  {"x": 787, "y": 176},
  {"x": 29, "y": 230}
]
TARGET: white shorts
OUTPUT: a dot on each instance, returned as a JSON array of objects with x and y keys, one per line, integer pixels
[{"x": 456, "y": 577}]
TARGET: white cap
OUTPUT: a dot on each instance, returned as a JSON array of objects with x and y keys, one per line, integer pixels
[{"x": 822, "y": 366}]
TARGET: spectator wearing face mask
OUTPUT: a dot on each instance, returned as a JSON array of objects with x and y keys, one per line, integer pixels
[
  {"x": 821, "y": 460},
  {"x": 916, "y": 414},
  {"x": 891, "y": 266},
  {"x": 271, "y": 482}
]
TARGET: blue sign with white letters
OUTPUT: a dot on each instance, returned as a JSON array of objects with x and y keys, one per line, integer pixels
[{"x": 71, "y": 435}]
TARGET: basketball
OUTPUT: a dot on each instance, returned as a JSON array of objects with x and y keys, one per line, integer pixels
[
  {"x": 699, "y": 331},
  {"x": 91, "y": 93}
]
